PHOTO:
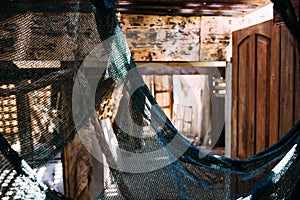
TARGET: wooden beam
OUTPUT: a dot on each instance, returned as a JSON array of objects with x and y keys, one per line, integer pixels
[
  {"x": 173, "y": 68},
  {"x": 13, "y": 75},
  {"x": 179, "y": 70},
  {"x": 24, "y": 126},
  {"x": 150, "y": 7},
  {"x": 181, "y": 64}
]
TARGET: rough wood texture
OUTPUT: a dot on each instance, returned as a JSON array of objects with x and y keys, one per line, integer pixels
[
  {"x": 154, "y": 7},
  {"x": 77, "y": 161},
  {"x": 278, "y": 18},
  {"x": 182, "y": 7},
  {"x": 251, "y": 60},
  {"x": 289, "y": 82},
  {"x": 274, "y": 87},
  {"x": 265, "y": 87},
  {"x": 78, "y": 170},
  {"x": 24, "y": 125},
  {"x": 289, "y": 12}
]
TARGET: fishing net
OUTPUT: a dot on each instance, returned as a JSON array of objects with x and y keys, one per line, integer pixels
[{"x": 143, "y": 154}]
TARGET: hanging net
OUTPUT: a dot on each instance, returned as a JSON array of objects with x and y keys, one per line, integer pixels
[{"x": 142, "y": 155}]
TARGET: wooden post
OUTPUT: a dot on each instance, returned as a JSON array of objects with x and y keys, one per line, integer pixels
[
  {"x": 83, "y": 174},
  {"x": 24, "y": 125},
  {"x": 69, "y": 154},
  {"x": 76, "y": 158}
]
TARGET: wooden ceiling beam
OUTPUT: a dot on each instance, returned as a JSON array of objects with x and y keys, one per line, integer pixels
[
  {"x": 148, "y": 7},
  {"x": 259, "y": 2},
  {"x": 190, "y": 7}
]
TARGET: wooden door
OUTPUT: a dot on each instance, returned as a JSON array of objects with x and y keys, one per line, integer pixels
[
  {"x": 161, "y": 88},
  {"x": 251, "y": 84},
  {"x": 265, "y": 87}
]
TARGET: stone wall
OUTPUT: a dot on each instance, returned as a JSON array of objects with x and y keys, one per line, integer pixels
[
  {"x": 176, "y": 38},
  {"x": 215, "y": 38},
  {"x": 162, "y": 38}
]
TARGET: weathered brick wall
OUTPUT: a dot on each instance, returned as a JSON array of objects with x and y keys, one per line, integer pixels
[
  {"x": 215, "y": 38},
  {"x": 162, "y": 38}
]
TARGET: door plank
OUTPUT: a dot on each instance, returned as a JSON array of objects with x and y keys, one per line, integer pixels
[
  {"x": 274, "y": 85},
  {"x": 250, "y": 90},
  {"x": 262, "y": 92},
  {"x": 286, "y": 82}
]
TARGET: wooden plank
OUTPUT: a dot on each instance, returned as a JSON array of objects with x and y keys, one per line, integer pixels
[
  {"x": 286, "y": 82},
  {"x": 297, "y": 86},
  {"x": 163, "y": 98},
  {"x": 258, "y": 2},
  {"x": 242, "y": 126},
  {"x": 164, "y": 94},
  {"x": 213, "y": 64},
  {"x": 278, "y": 19},
  {"x": 274, "y": 85},
  {"x": 262, "y": 92},
  {"x": 251, "y": 101},
  {"x": 255, "y": 29},
  {"x": 161, "y": 70},
  {"x": 69, "y": 152},
  {"x": 10, "y": 73},
  {"x": 174, "y": 68},
  {"x": 76, "y": 158},
  {"x": 162, "y": 83},
  {"x": 234, "y": 100},
  {"x": 24, "y": 126}
]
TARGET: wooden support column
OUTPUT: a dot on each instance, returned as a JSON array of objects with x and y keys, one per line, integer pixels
[
  {"x": 76, "y": 158},
  {"x": 24, "y": 125},
  {"x": 83, "y": 174},
  {"x": 65, "y": 114}
]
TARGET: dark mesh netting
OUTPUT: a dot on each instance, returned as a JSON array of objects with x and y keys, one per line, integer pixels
[{"x": 142, "y": 154}]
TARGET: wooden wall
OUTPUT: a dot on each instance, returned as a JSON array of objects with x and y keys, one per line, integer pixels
[{"x": 288, "y": 83}]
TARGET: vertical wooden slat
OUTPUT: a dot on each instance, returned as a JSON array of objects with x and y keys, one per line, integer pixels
[
  {"x": 274, "y": 84},
  {"x": 262, "y": 93},
  {"x": 297, "y": 85},
  {"x": 251, "y": 86},
  {"x": 163, "y": 93},
  {"x": 242, "y": 101},
  {"x": 234, "y": 96},
  {"x": 246, "y": 94},
  {"x": 286, "y": 82},
  {"x": 77, "y": 162},
  {"x": 70, "y": 152}
]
